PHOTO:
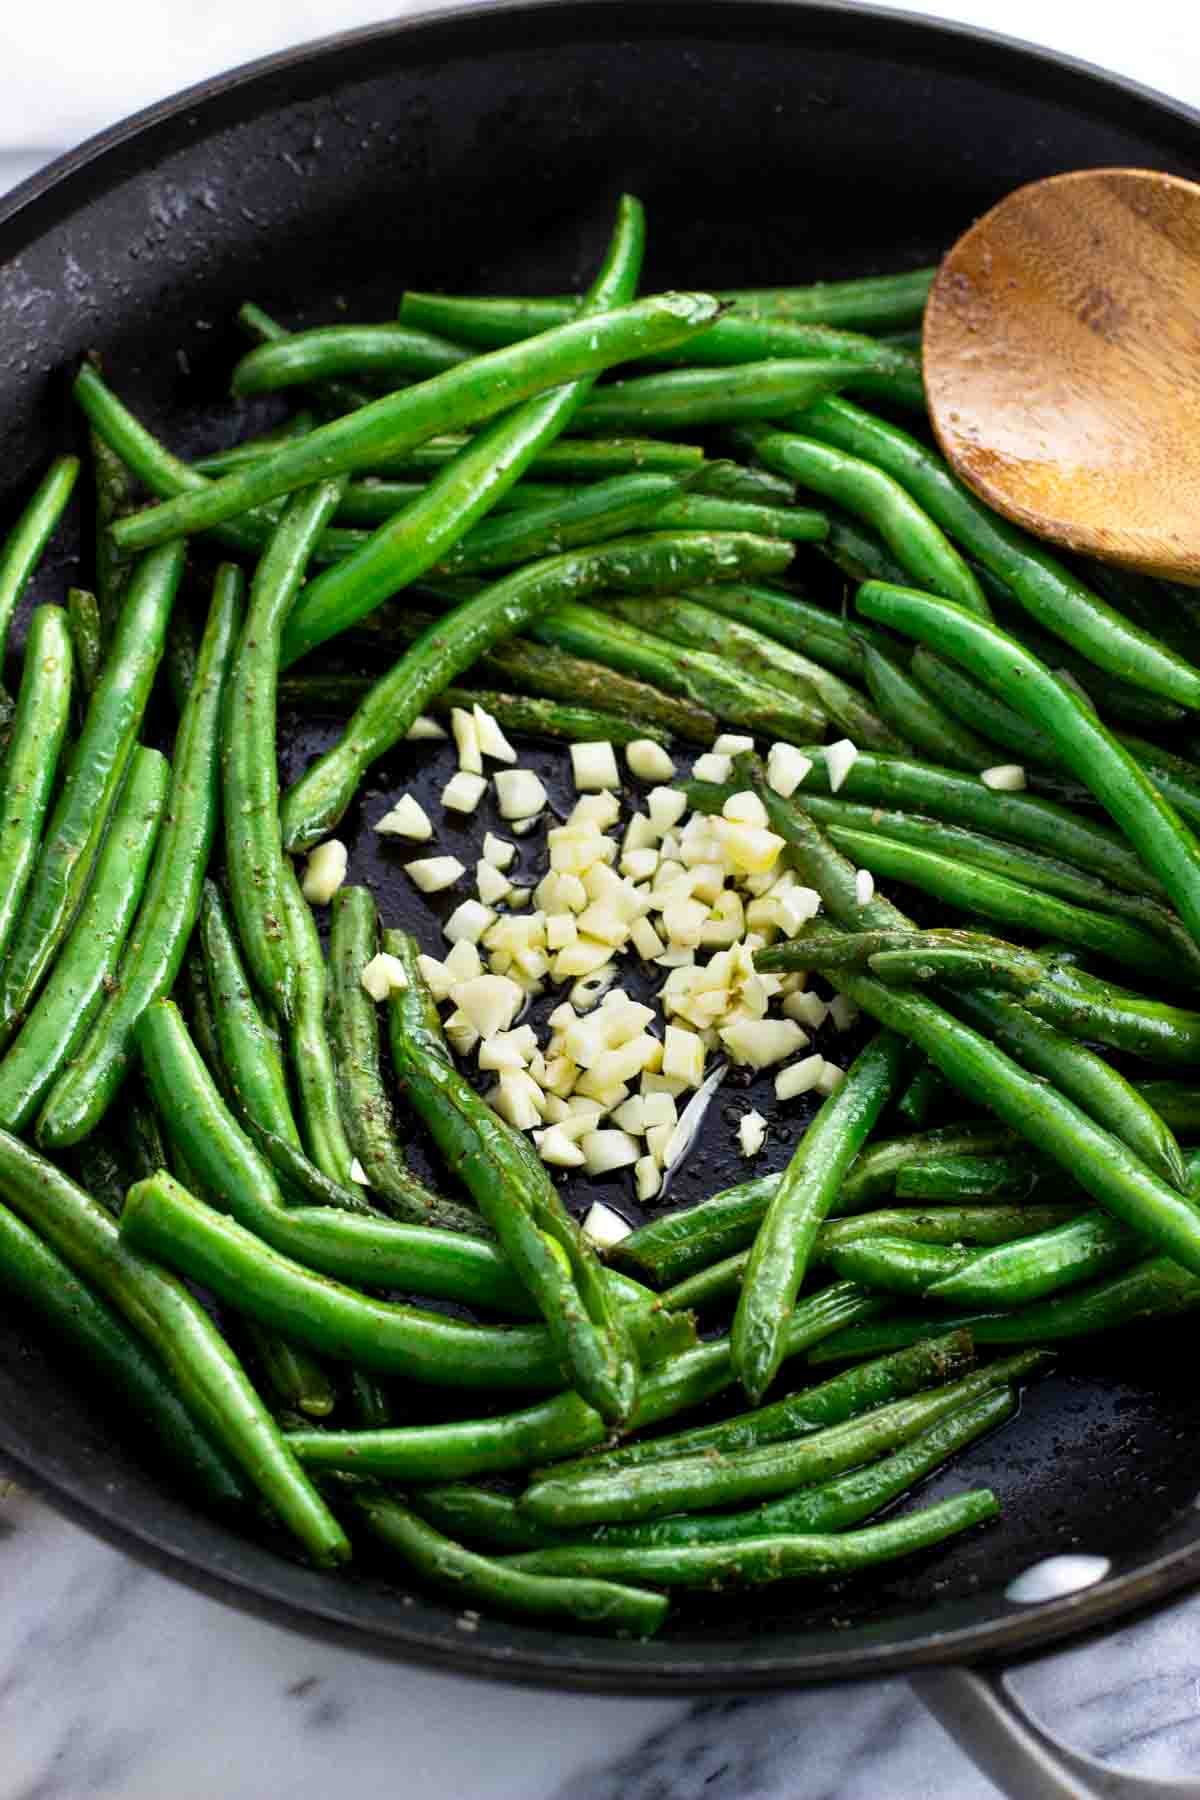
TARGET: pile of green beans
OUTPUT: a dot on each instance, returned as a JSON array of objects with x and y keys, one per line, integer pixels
[{"x": 599, "y": 518}]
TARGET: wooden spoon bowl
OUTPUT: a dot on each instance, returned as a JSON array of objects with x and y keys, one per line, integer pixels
[{"x": 1062, "y": 364}]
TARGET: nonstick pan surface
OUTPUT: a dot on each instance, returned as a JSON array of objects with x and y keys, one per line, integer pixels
[{"x": 770, "y": 143}]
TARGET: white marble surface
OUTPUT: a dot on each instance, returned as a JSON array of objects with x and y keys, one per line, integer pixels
[{"x": 119, "y": 1684}]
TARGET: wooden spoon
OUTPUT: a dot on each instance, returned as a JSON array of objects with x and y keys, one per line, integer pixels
[{"x": 1062, "y": 364}]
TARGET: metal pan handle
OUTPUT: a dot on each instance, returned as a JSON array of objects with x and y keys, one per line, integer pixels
[{"x": 984, "y": 1717}]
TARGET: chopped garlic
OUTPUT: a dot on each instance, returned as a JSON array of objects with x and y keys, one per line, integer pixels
[
  {"x": 830, "y": 1078},
  {"x": 522, "y": 827},
  {"x": 745, "y": 809},
  {"x": 665, "y": 806},
  {"x": 519, "y": 793},
  {"x": 490, "y": 884},
  {"x": 325, "y": 872},
  {"x": 840, "y": 758},
  {"x": 589, "y": 990},
  {"x": 463, "y": 792},
  {"x": 463, "y": 962},
  {"x": 864, "y": 886},
  {"x": 712, "y": 766},
  {"x": 648, "y": 760},
  {"x": 383, "y": 975},
  {"x": 498, "y": 851},
  {"x": 466, "y": 737},
  {"x": 598, "y": 808},
  {"x": 646, "y": 940},
  {"x": 407, "y": 818},
  {"x": 461, "y": 1034},
  {"x": 683, "y": 1055},
  {"x": 434, "y": 873},
  {"x": 491, "y": 740},
  {"x": 499, "y": 1052},
  {"x": 798, "y": 1078},
  {"x": 608, "y": 1150},
  {"x": 760, "y": 1042},
  {"x": 639, "y": 865},
  {"x": 843, "y": 1012},
  {"x": 557, "y": 1149},
  {"x": 358, "y": 1173},
  {"x": 423, "y": 727},
  {"x": 648, "y": 1177},
  {"x": 604, "y": 1226},
  {"x": 490, "y": 1002},
  {"x": 469, "y": 921},
  {"x": 731, "y": 744},
  {"x": 561, "y": 930},
  {"x": 749, "y": 849},
  {"x": 641, "y": 833},
  {"x": 752, "y": 1133},
  {"x": 518, "y": 1099},
  {"x": 436, "y": 976},
  {"x": 683, "y": 921},
  {"x": 786, "y": 769},
  {"x": 1005, "y": 778},
  {"x": 595, "y": 766},
  {"x": 806, "y": 1008}
]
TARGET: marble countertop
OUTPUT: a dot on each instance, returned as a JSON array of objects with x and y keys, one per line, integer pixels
[{"x": 118, "y": 1684}]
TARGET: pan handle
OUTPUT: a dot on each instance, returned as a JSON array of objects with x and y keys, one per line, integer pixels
[{"x": 981, "y": 1713}]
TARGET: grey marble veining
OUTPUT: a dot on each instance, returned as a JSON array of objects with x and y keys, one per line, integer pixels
[{"x": 118, "y": 1684}]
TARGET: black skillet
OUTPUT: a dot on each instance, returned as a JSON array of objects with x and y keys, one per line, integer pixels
[{"x": 770, "y": 142}]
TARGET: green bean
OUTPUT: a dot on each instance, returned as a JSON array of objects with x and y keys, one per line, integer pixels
[
  {"x": 1168, "y": 848},
  {"x": 22, "y": 548},
  {"x": 303, "y": 358},
  {"x": 728, "y": 480},
  {"x": 93, "y": 778},
  {"x": 112, "y": 492},
  {"x": 248, "y": 1049},
  {"x": 690, "y": 399},
  {"x": 868, "y": 303},
  {"x": 897, "y": 1265},
  {"x": 570, "y": 459},
  {"x": 87, "y": 637},
  {"x": 1016, "y": 1275},
  {"x": 372, "y": 501},
  {"x": 847, "y": 1396},
  {"x": 38, "y": 729},
  {"x": 1009, "y": 1175},
  {"x": 953, "y": 1225},
  {"x": 891, "y": 781},
  {"x": 695, "y": 627},
  {"x": 219, "y": 462},
  {"x": 164, "y": 1221},
  {"x": 512, "y": 712},
  {"x": 167, "y": 913},
  {"x": 1112, "y": 697},
  {"x": 47, "y": 1288},
  {"x": 1177, "y": 1103},
  {"x": 512, "y": 1189},
  {"x": 1176, "y": 779},
  {"x": 917, "y": 719},
  {"x": 310, "y": 1051},
  {"x": 1081, "y": 1006},
  {"x": 207, "y": 1376},
  {"x": 678, "y": 1243},
  {"x": 354, "y": 1034},
  {"x": 1083, "y": 1076},
  {"x": 471, "y": 392},
  {"x": 701, "y": 1483},
  {"x": 751, "y": 1561},
  {"x": 980, "y": 892},
  {"x": 834, "y": 1505},
  {"x": 1156, "y": 1288},
  {"x": 968, "y": 958},
  {"x": 702, "y": 677},
  {"x": 790, "y": 619},
  {"x": 1043, "y": 587},
  {"x": 735, "y": 338},
  {"x": 1036, "y": 869},
  {"x": 86, "y": 969},
  {"x": 329, "y": 397},
  {"x": 316, "y": 802},
  {"x": 564, "y": 1425},
  {"x": 250, "y": 780},
  {"x": 812, "y": 1179},
  {"x": 925, "y": 1093},
  {"x": 858, "y": 552},
  {"x": 462, "y": 492},
  {"x": 974, "y": 706},
  {"x": 369, "y": 1400},
  {"x": 588, "y": 515},
  {"x": 628, "y": 1611},
  {"x": 295, "y": 1377},
  {"x": 911, "y": 535},
  {"x": 1092, "y": 1156}
]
